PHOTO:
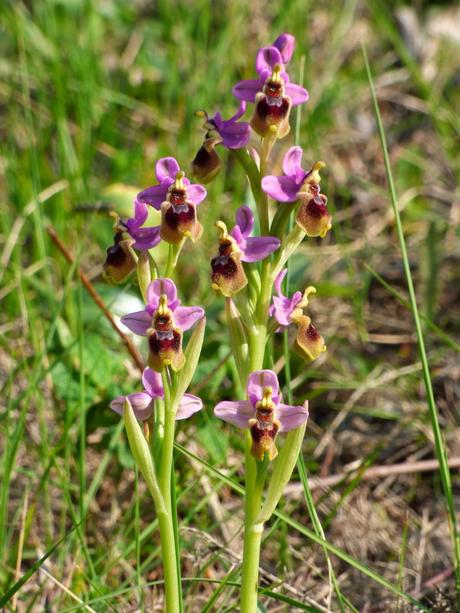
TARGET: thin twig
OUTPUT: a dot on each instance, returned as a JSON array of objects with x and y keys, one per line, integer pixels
[
  {"x": 294, "y": 490},
  {"x": 97, "y": 299}
]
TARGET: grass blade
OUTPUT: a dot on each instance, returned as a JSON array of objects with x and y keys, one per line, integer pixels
[{"x": 440, "y": 447}]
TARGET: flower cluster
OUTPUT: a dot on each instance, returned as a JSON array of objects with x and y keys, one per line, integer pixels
[{"x": 248, "y": 270}]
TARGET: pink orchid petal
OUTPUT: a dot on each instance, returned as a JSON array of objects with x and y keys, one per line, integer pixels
[
  {"x": 285, "y": 44},
  {"x": 282, "y": 189},
  {"x": 279, "y": 280},
  {"x": 267, "y": 58},
  {"x": 248, "y": 89},
  {"x": 166, "y": 168},
  {"x": 158, "y": 287},
  {"x": 292, "y": 161},
  {"x": 236, "y": 135},
  {"x": 256, "y": 383},
  {"x": 245, "y": 220},
  {"x": 186, "y": 317},
  {"x": 155, "y": 195},
  {"x": 189, "y": 405},
  {"x": 236, "y": 412},
  {"x": 291, "y": 417},
  {"x": 296, "y": 93},
  {"x": 141, "y": 403},
  {"x": 138, "y": 322},
  {"x": 152, "y": 383},
  {"x": 259, "y": 247},
  {"x": 141, "y": 213},
  {"x": 196, "y": 193},
  {"x": 146, "y": 238}
]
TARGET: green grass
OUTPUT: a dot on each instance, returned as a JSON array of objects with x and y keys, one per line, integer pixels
[{"x": 92, "y": 93}]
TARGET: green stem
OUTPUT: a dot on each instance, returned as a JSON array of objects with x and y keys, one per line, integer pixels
[
  {"x": 169, "y": 547},
  {"x": 252, "y": 535},
  {"x": 171, "y": 259},
  {"x": 168, "y": 554}
]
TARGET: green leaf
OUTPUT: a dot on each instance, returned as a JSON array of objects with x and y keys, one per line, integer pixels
[
  {"x": 192, "y": 353},
  {"x": 142, "y": 455}
]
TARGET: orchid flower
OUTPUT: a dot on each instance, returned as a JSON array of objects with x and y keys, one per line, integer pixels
[
  {"x": 235, "y": 247},
  {"x": 163, "y": 321},
  {"x": 177, "y": 199},
  {"x": 272, "y": 93},
  {"x": 263, "y": 413},
  {"x": 142, "y": 402},
  {"x": 129, "y": 234},
  {"x": 230, "y": 133},
  {"x": 303, "y": 185},
  {"x": 287, "y": 310}
]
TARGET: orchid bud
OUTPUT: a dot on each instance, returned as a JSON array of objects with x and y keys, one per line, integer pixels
[
  {"x": 207, "y": 163},
  {"x": 120, "y": 261}
]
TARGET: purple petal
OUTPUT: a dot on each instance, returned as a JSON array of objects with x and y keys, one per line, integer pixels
[
  {"x": 152, "y": 383},
  {"x": 239, "y": 113},
  {"x": 257, "y": 381},
  {"x": 235, "y": 136},
  {"x": 267, "y": 58},
  {"x": 189, "y": 405},
  {"x": 141, "y": 403},
  {"x": 292, "y": 160},
  {"x": 166, "y": 168},
  {"x": 155, "y": 195},
  {"x": 141, "y": 213},
  {"x": 291, "y": 417},
  {"x": 283, "y": 307},
  {"x": 186, "y": 317},
  {"x": 279, "y": 280},
  {"x": 138, "y": 322},
  {"x": 283, "y": 189},
  {"x": 259, "y": 247},
  {"x": 146, "y": 238},
  {"x": 285, "y": 44},
  {"x": 236, "y": 412},
  {"x": 247, "y": 90},
  {"x": 297, "y": 94},
  {"x": 196, "y": 193},
  {"x": 245, "y": 220},
  {"x": 238, "y": 236},
  {"x": 157, "y": 288}
]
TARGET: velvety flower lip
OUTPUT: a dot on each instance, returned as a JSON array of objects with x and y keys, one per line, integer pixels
[
  {"x": 286, "y": 187},
  {"x": 253, "y": 248},
  {"x": 239, "y": 412},
  {"x": 144, "y": 238},
  {"x": 142, "y": 402},
  {"x": 166, "y": 171},
  {"x": 267, "y": 59},
  {"x": 184, "y": 317},
  {"x": 234, "y": 134}
]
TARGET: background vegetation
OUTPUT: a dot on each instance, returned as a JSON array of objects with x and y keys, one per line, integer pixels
[{"x": 91, "y": 94}]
